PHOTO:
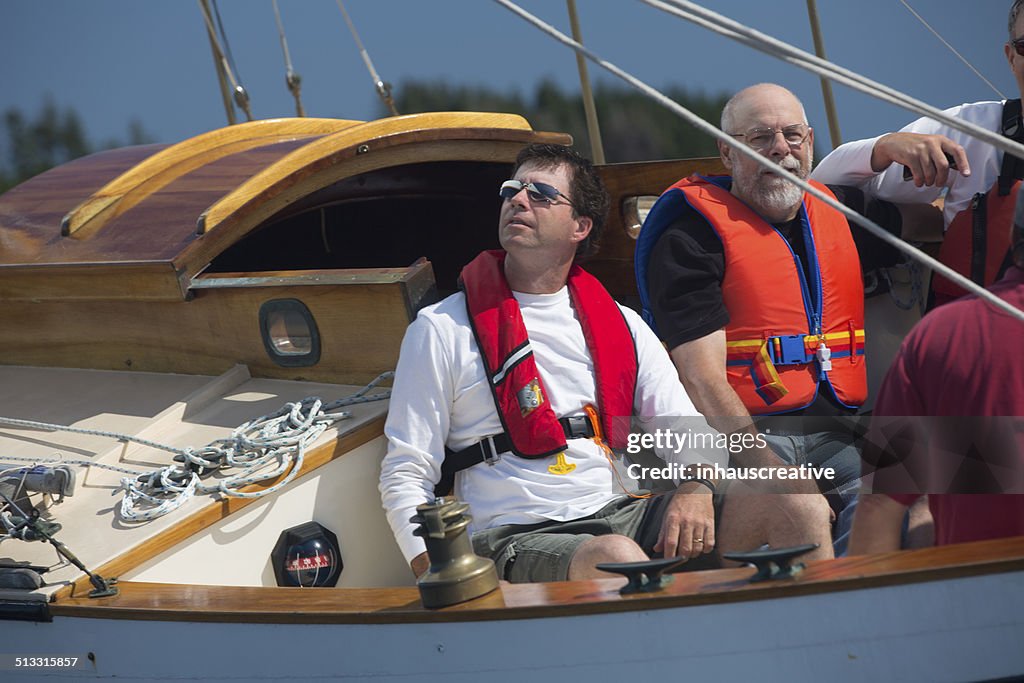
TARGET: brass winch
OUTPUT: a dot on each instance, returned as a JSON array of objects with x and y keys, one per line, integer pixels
[{"x": 456, "y": 573}]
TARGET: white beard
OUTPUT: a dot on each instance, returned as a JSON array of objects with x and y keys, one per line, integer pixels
[
  {"x": 776, "y": 196},
  {"x": 771, "y": 196}
]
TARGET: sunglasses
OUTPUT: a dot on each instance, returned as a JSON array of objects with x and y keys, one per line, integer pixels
[
  {"x": 537, "y": 192},
  {"x": 1018, "y": 46}
]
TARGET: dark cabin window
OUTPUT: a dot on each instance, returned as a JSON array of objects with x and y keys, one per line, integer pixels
[
  {"x": 445, "y": 211},
  {"x": 289, "y": 332}
]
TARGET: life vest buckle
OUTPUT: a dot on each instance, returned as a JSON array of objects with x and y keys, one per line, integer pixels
[
  {"x": 788, "y": 350},
  {"x": 578, "y": 427},
  {"x": 490, "y": 453}
]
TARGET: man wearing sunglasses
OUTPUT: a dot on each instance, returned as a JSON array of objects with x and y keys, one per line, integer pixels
[
  {"x": 980, "y": 191},
  {"x": 756, "y": 290},
  {"x": 513, "y": 392}
]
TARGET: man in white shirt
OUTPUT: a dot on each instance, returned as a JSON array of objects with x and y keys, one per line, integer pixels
[
  {"x": 535, "y": 334},
  {"x": 980, "y": 192}
]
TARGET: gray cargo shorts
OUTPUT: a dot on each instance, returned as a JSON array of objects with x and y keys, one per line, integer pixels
[{"x": 528, "y": 553}]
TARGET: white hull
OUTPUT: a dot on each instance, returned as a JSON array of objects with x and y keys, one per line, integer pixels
[{"x": 969, "y": 629}]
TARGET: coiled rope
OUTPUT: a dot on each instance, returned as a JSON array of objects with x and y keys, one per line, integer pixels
[{"x": 261, "y": 449}]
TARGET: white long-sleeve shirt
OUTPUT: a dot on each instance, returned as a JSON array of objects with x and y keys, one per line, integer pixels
[
  {"x": 850, "y": 163},
  {"x": 441, "y": 396}
]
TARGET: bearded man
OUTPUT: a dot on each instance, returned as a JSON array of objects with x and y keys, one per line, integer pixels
[{"x": 756, "y": 289}]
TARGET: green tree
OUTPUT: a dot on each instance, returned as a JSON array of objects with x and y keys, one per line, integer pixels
[
  {"x": 52, "y": 137},
  {"x": 633, "y": 128}
]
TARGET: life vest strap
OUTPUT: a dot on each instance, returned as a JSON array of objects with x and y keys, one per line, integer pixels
[
  {"x": 763, "y": 355},
  {"x": 488, "y": 449},
  {"x": 795, "y": 349}
]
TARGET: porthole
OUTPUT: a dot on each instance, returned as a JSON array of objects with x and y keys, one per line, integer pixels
[
  {"x": 634, "y": 213},
  {"x": 289, "y": 332}
]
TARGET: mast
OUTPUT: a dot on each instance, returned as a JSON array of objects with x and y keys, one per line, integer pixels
[
  {"x": 826, "y": 85},
  {"x": 589, "y": 108}
]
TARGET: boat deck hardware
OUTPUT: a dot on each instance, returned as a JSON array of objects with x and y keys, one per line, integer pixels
[
  {"x": 456, "y": 573},
  {"x": 31, "y": 527},
  {"x": 773, "y": 563},
  {"x": 643, "y": 577}
]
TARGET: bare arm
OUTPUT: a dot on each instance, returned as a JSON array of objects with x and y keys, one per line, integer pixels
[
  {"x": 701, "y": 367},
  {"x": 420, "y": 564},
  {"x": 876, "y": 525}
]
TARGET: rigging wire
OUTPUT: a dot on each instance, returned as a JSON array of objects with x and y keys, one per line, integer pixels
[
  {"x": 776, "y": 48},
  {"x": 218, "y": 63},
  {"x": 953, "y": 50},
  {"x": 383, "y": 87},
  {"x": 291, "y": 79},
  {"x": 749, "y": 152},
  {"x": 241, "y": 97}
]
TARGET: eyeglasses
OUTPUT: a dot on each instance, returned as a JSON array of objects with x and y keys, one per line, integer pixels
[
  {"x": 1018, "y": 46},
  {"x": 537, "y": 192},
  {"x": 763, "y": 138}
]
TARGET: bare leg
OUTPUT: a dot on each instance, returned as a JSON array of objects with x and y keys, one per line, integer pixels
[
  {"x": 780, "y": 520},
  {"x": 921, "y": 530},
  {"x": 610, "y": 548}
]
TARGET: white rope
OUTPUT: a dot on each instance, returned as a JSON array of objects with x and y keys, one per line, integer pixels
[
  {"x": 261, "y": 449},
  {"x": 772, "y": 46},
  {"x": 953, "y": 50},
  {"x": 713, "y": 131}
]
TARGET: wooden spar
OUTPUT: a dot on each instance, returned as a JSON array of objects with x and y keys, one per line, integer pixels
[
  {"x": 225, "y": 94},
  {"x": 593, "y": 129},
  {"x": 826, "y": 85}
]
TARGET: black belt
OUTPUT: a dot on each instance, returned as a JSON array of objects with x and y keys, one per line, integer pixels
[{"x": 488, "y": 449}]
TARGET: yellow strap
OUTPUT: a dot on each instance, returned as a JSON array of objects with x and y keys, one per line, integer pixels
[{"x": 755, "y": 344}]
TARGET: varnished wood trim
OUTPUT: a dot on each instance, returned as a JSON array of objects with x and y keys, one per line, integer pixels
[
  {"x": 136, "y": 184},
  {"x": 365, "y": 135},
  {"x": 292, "y": 278},
  {"x": 145, "y": 281},
  {"x": 654, "y": 177},
  {"x": 167, "y": 602},
  {"x": 218, "y": 510}
]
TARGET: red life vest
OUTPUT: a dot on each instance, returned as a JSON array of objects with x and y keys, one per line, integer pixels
[
  {"x": 516, "y": 385},
  {"x": 991, "y": 238},
  {"x": 778, "y": 321}
]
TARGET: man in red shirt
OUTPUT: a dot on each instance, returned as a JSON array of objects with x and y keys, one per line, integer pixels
[{"x": 959, "y": 377}]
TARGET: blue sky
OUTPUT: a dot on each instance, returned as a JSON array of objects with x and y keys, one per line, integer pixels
[{"x": 118, "y": 60}]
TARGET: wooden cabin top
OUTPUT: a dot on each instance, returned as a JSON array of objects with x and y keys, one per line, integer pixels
[
  {"x": 141, "y": 222},
  {"x": 148, "y": 223}
]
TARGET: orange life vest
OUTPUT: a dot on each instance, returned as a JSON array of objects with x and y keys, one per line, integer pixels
[
  {"x": 786, "y": 336},
  {"x": 516, "y": 385}
]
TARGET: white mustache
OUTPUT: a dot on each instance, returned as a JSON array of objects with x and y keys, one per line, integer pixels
[{"x": 789, "y": 163}]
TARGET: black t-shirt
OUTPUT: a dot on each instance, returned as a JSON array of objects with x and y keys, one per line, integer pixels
[{"x": 687, "y": 266}]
